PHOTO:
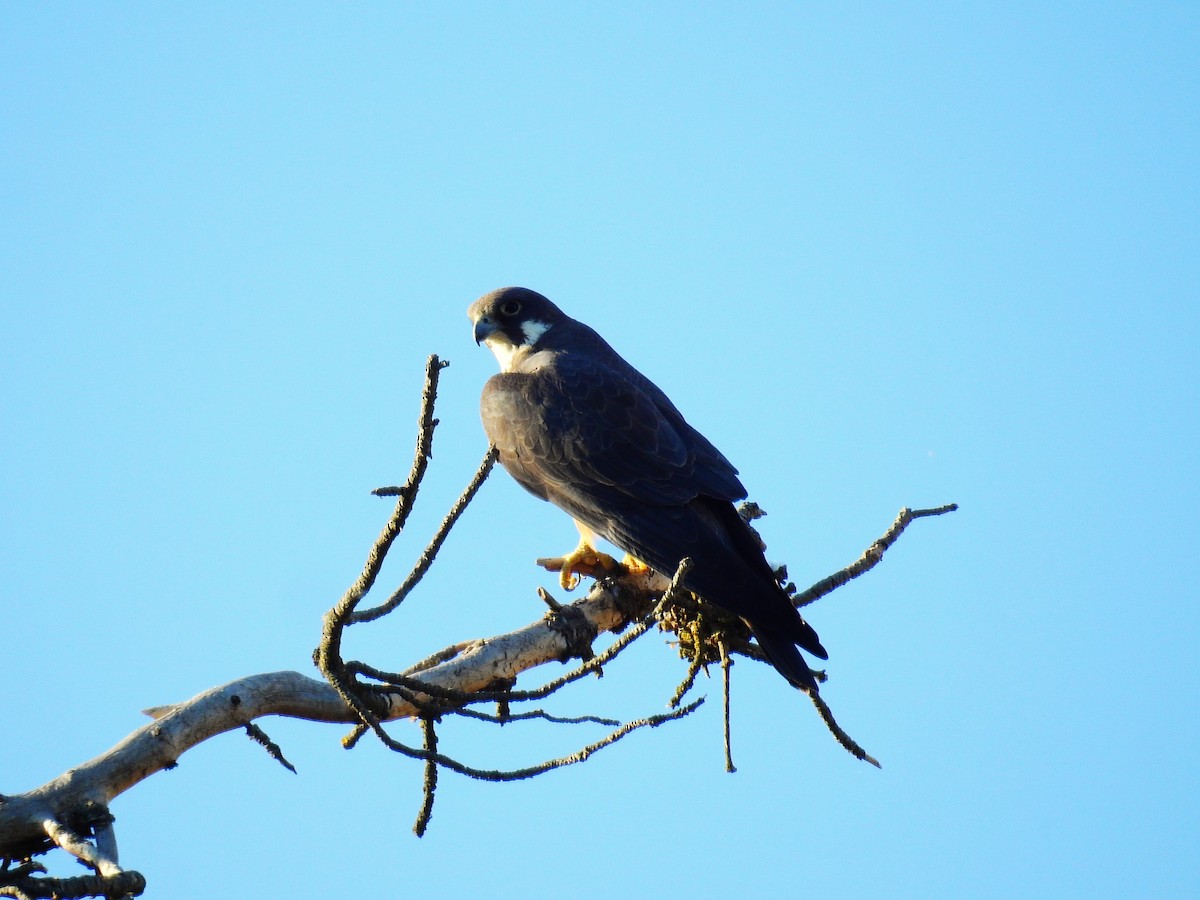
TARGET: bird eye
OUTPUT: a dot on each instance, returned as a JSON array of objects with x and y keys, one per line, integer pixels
[{"x": 510, "y": 307}]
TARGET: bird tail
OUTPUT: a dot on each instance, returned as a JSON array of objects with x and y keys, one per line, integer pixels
[{"x": 785, "y": 657}]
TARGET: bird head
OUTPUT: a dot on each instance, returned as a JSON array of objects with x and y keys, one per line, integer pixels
[{"x": 511, "y": 321}]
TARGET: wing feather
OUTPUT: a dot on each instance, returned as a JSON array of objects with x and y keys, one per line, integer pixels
[{"x": 577, "y": 426}]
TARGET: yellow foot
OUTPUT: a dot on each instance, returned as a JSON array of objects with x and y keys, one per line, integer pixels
[
  {"x": 634, "y": 565},
  {"x": 584, "y": 560}
]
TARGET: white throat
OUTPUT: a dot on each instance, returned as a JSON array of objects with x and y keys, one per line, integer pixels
[
  {"x": 506, "y": 353},
  {"x": 510, "y": 355}
]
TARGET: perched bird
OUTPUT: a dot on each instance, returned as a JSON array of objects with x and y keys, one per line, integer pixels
[{"x": 577, "y": 425}]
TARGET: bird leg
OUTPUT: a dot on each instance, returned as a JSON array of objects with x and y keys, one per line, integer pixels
[{"x": 584, "y": 560}]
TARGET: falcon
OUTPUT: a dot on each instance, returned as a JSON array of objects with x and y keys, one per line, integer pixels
[{"x": 577, "y": 425}]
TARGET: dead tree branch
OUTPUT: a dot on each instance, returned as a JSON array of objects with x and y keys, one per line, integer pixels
[
  {"x": 37, "y": 820},
  {"x": 871, "y": 556},
  {"x": 71, "y": 812}
]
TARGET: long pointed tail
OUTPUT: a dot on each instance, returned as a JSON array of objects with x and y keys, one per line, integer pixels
[{"x": 786, "y": 658}]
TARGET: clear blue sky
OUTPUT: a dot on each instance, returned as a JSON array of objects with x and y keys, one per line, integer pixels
[{"x": 883, "y": 255}]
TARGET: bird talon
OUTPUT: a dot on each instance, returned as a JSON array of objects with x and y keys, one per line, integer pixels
[
  {"x": 634, "y": 566},
  {"x": 583, "y": 560}
]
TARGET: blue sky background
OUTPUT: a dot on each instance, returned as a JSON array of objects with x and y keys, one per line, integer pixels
[{"x": 882, "y": 254}]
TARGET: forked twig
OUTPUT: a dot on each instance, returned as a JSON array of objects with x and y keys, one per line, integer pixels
[
  {"x": 392, "y": 681},
  {"x": 431, "y": 550},
  {"x": 578, "y": 756},
  {"x": 328, "y": 653},
  {"x": 366, "y": 701}
]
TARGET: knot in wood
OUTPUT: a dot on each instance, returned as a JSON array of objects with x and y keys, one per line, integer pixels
[
  {"x": 90, "y": 816},
  {"x": 576, "y": 631},
  {"x": 630, "y": 601}
]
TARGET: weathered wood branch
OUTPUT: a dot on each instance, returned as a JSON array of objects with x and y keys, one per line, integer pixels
[
  {"x": 78, "y": 799},
  {"x": 71, "y": 811}
]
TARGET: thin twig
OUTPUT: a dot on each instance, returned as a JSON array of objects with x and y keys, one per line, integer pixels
[
  {"x": 435, "y": 544},
  {"x": 842, "y": 738},
  {"x": 429, "y": 785},
  {"x": 328, "y": 655},
  {"x": 531, "y": 771},
  {"x": 726, "y": 663},
  {"x": 871, "y": 556},
  {"x": 444, "y": 655},
  {"x": 260, "y": 737},
  {"x": 536, "y": 714},
  {"x": 695, "y": 664},
  {"x": 356, "y": 733}
]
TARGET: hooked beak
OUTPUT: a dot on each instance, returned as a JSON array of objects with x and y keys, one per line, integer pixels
[{"x": 485, "y": 327}]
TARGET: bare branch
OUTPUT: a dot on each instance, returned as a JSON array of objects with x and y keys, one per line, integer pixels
[
  {"x": 689, "y": 680},
  {"x": 530, "y": 771},
  {"x": 469, "y": 674},
  {"x": 407, "y": 494},
  {"x": 328, "y": 655},
  {"x": 261, "y": 738},
  {"x": 429, "y": 785},
  {"x": 842, "y": 738},
  {"x": 71, "y": 811},
  {"x": 179, "y": 727},
  {"x": 726, "y": 665},
  {"x": 427, "y": 557},
  {"x": 539, "y": 714},
  {"x": 871, "y": 556},
  {"x": 81, "y": 848},
  {"x": 26, "y": 886},
  {"x": 466, "y": 670}
]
